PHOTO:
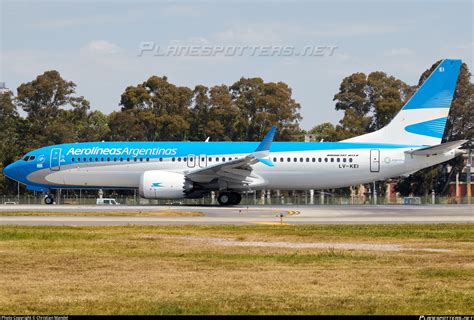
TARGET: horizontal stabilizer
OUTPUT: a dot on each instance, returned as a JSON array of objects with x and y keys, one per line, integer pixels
[{"x": 437, "y": 149}]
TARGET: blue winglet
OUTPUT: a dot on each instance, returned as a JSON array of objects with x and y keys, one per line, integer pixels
[
  {"x": 268, "y": 162},
  {"x": 267, "y": 140}
]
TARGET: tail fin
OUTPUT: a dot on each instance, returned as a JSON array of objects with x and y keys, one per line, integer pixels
[{"x": 422, "y": 119}]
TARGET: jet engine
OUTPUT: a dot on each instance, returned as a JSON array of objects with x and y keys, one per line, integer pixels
[{"x": 158, "y": 184}]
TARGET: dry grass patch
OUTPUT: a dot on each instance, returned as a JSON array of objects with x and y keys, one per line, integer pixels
[{"x": 132, "y": 270}]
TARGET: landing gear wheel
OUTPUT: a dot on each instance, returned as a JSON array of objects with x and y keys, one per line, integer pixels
[
  {"x": 235, "y": 198},
  {"x": 224, "y": 199},
  {"x": 229, "y": 198},
  {"x": 49, "y": 199}
]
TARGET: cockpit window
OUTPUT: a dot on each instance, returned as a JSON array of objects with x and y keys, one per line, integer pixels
[{"x": 29, "y": 158}]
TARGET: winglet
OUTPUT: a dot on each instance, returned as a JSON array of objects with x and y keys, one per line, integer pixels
[
  {"x": 263, "y": 149},
  {"x": 267, "y": 140}
]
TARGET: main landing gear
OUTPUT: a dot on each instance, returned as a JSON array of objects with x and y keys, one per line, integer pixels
[
  {"x": 229, "y": 198},
  {"x": 49, "y": 199}
]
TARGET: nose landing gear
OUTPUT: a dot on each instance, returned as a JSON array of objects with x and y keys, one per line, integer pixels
[
  {"x": 49, "y": 199},
  {"x": 229, "y": 198}
]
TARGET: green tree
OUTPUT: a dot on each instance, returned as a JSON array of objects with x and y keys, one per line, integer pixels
[
  {"x": 11, "y": 146},
  {"x": 162, "y": 107},
  {"x": 46, "y": 101},
  {"x": 264, "y": 104},
  {"x": 369, "y": 102},
  {"x": 325, "y": 132}
]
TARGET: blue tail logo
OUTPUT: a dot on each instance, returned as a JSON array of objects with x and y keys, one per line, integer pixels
[{"x": 432, "y": 128}]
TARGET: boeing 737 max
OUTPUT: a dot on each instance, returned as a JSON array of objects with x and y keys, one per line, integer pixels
[{"x": 172, "y": 170}]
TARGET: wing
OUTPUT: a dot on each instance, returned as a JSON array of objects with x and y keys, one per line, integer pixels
[{"x": 239, "y": 170}]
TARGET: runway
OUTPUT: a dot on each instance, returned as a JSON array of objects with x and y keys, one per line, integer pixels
[{"x": 346, "y": 214}]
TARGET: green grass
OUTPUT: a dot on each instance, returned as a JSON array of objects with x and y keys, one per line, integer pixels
[{"x": 146, "y": 270}]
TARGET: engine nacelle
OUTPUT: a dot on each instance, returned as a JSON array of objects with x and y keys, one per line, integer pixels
[{"x": 158, "y": 184}]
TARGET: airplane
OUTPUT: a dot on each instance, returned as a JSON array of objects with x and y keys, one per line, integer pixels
[{"x": 176, "y": 170}]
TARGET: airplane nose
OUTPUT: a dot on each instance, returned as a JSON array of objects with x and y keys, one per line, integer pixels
[{"x": 9, "y": 170}]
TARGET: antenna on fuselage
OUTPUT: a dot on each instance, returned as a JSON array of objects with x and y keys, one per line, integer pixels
[{"x": 207, "y": 139}]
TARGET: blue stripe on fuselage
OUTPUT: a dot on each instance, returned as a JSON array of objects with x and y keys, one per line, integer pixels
[{"x": 180, "y": 149}]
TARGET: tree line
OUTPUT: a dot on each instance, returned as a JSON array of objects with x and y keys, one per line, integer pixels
[{"x": 47, "y": 111}]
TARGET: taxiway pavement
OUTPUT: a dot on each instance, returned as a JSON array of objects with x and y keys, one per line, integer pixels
[{"x": 324, "y": 214}]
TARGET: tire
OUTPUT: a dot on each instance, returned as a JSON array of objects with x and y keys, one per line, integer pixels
[
  {"x": 48, "y": 200},
  {"x": 224, "y": 199},
  {"x": 235, "y": 198},
  {"x": 229, "y": 198}
]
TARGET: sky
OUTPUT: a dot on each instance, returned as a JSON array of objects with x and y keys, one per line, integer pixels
[{"x": 96, "y": 44}]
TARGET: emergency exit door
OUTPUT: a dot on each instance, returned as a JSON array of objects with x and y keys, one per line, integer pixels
[{"x": 374, "y": 160}]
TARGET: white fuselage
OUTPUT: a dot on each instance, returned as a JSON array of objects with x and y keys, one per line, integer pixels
[{"x": 299, "y": 170}]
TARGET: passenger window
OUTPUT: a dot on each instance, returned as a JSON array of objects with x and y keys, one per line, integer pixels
[
  {"x": 338, "y": 160},
  {"x": 281, "y": 159},
  {"x": 332, "y": 159},
  {"x": 319, "y": 159},
  {"x": 230, "y": 159},
  {"x": 314, "y": 159},
  {"x": 173, "y": 159},
  {"x": 179, "y": 159},
  {"x": 274, "y": 159},
  {"x": 210, "y": 159},
  {"x": 128, "y": 159},
  {"x": 161, "y": 159},
  {"x": 295, "y": 159},
  {"x": 108, "y": 159},
  {"x": 78, "y": 159},
  {"x": 72, "y": 159},
  {"x": 96, "y": 159},
  {"x": 307, "y": 159},
  {"x": 343, "y": 159},
  {"x": 135, "y": 159},
  {"x": 121, "y": 159},
  {"x": 325, "y": 159},
  {"x": 102, "y": 159},
  {"x": 350, "y": 159},
  {"x": 288, "y": 159},
  {"x": 148, "y": 159},
  {"x": 85, "y": 159}
]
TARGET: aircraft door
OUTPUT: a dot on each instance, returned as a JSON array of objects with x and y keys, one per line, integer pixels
[
  {"x": 191, "y": 161},
  {"x": 55, "y": 160},
  {"x": 202, "y": 161},
  {"x": 374, "y": 160}
]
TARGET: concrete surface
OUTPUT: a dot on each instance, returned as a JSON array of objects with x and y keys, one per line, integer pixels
[{"x": 347, "y": 214}]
